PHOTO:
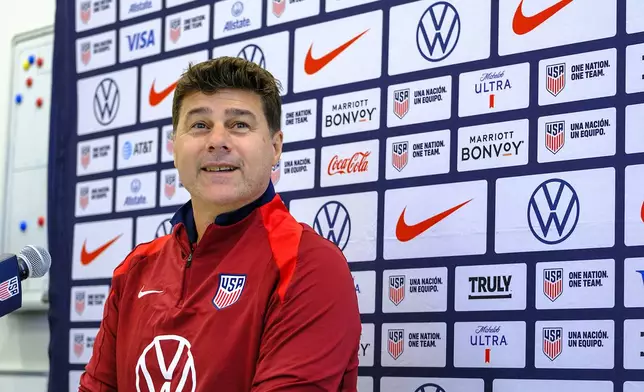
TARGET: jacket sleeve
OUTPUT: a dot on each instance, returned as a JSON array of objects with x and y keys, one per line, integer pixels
[
  {"x": 100, "y": 372},
  {"x": 312, "y": 335}
]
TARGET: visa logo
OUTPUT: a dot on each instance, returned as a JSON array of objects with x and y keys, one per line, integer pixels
[{"x": 141, "y": 40}]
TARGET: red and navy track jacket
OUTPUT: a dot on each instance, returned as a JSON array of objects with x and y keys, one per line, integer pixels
[{"x": 262, "y": 303}]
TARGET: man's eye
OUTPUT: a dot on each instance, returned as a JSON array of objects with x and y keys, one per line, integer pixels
[
  {"x": 199, "y": 125},
  {"x": 240, "y": 125}
]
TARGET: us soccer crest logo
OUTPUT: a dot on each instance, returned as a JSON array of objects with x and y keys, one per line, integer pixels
[
  {"x": 79, "y": 344},
  {"x": 399, "y": 155},
  {"x": 276, "y": 172},
  {"x": 552, "y": 342},
  {"x": 396, "y": 289},
  {"x": 84, "y": 197},
  {"x": 555, "y": 136},
  {"x": 396, "y": 342},
  {"x": 175, "y": 29},
  {"x": 169, "y": 143},
  {"x": 86, "y": 52},
  {"x": 278, "y": 7},
  {"x": 79, "y": 303},
  {"x": 85, "y": 11},
  {"x": 401, "y": 102},
  {"x": 555, "y": 78},
  {"x": 170, "y": 185},
  {"x": 552, "y": 283},
  {"x": 231, "y": 287},
  {"x": 85, "y": 156}
]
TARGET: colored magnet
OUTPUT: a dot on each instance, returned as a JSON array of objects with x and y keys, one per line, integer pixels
[
  {"x": 39, "y": 62},
  {"x": 32, "y": 58},
  {"x": 18, "y": 98},
  {"x": 23, "y": 226},
  {"x": 25, "y": 65},
  {"x": 39, "y": 102},
  {"x": 41, "y": 221},
  {"x": 29, "y": 82}
]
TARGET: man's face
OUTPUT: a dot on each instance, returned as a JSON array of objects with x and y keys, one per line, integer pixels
[{"x": 223, "y": 148}]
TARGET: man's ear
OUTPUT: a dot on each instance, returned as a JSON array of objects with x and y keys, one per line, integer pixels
[
  {"x": 174, "y": 150},
  {"x": 277, "y": 141}
]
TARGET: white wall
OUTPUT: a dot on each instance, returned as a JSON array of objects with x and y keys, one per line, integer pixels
[{"x": 24, "y": 337}]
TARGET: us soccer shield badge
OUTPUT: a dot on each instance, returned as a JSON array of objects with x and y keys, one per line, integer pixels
[
  {"x": 399, "y": 155},
  {"x": 278, "y": 7},
  {"x": 555, "y": 78},
  {"x": 175, "y": 29},
  {"x": 276, "y": 172},
  {"x": 555, "y": 136},
  {"x": 552, "y": 283},
  {"x": 83, "y": 199},
  {"x": 169, "y": 144},
  {"x": 79, "y": 344},
  {"x": 170, "y": 185},
  {"x": 401, "y": 102},
  {"x": 79, "y": 302},
  {"x": 552, "y": 339},
  {"x": 229, "y": 291},
  {"x": 86, "y": 52},
  {"x": 395, "y": 342},
  {"x": 85, "y": 156},
  {"x": 396, "y": 289},
  {"x": 85, "y": 11}
]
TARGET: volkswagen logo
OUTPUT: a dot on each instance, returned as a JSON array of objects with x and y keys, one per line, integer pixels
[
  {"x": 253, "y": 53},
  {"x": 553, "y": 211},
  {"x": 333, "y": 222},
  {"x": 166, "y": 364},
  {"x": 438, "y": 31},
  {"x": 164, "y": 228},
  {"x": 106, "y": 101},
  {"x": 430, "y": 387}
]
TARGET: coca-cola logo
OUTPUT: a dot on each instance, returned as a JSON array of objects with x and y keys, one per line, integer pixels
[{"x": 357, "y": 163}]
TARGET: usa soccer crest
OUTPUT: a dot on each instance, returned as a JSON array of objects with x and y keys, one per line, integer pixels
[
  {"x": 79, "y": 302},
  {"x": 552, "y": 283},
  {"x": 83, "y": 200},
  {"x": 396, "y": 289},
  {"x": 278, "y": 7},
  {"x": 175, "y": 29},
  {"x": 396, "y": 342},
  {"x": 85, "y": 11},
  {"x": 231, "y": 287},
  {"x": 85, "y": 156},
  {"x": 401, "y": 102},
  {"x": 169, "y": 143},
  {"x": 170, "y": 185},
  {"x": 86, "y": 52},
  {"x": 276, "y": 172},
  {"x": 9, "y": 288},
  {"x": 552, "y": 342},
  {"x": 555, "y": 136},
  {"x": 399, "y": 155},
  {"x": 555, "y": 78},
  {"x": 79, "y": 344}
]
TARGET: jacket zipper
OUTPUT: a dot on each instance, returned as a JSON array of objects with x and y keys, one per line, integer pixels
[{"x": 186, "y": 271}]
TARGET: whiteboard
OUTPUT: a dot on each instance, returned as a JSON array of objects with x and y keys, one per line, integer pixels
[{"x": 25, "y": 218}]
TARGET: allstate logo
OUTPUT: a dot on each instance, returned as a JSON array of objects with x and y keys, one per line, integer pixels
[
  {"x": 127, "y": 150},
  {"x": 333, "y": 222},
  {"x": 438, "y": 31},
  {"x": 135, "y": 185},
  {"x": 554, "y": 202},
  {"x": 237, "y": 9}
]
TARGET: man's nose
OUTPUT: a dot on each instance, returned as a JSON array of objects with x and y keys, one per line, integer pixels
[{"x": 218, "y": 137}]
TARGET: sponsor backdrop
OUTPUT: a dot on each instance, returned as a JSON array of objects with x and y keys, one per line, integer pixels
[{"x": 479, "y": 163}]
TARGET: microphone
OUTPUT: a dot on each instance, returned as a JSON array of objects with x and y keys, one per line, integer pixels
[{"x": 32, "y": 262}]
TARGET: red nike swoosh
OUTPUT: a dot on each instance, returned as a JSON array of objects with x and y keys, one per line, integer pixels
[
  {"x": 156, "y": 97},
  {"x": 405, "y": 232},
  {"x": 88, "y": 257},
  {"x": 642, "y": 212},
  {"x": 313, "y": 65},
  {"x": 522, "y": 24}
]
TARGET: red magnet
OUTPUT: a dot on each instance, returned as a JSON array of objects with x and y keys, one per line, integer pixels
[
  {"x": 39, "y": 102},
  {"x": 39, "y": 62},
  {"x": 30, "y": 81},
  {"x": 41, "y": 221}
]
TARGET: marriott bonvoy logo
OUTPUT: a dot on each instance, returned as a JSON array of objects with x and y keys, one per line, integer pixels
[{"x": 349, "y": 163}]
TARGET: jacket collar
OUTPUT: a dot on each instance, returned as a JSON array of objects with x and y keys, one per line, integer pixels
[{"x": 185, "y": 214}]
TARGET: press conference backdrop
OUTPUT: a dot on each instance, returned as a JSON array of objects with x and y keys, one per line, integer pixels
[{"x": 478, "y": 162}]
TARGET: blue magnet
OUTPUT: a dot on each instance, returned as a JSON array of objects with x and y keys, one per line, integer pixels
[
  {"x": 18, "y": 98},
  {"x": 32, "y": 58},
  {"x": 23, "y": 226}
]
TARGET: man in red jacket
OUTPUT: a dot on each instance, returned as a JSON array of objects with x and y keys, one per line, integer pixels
[{"x": 240, "y": 297}]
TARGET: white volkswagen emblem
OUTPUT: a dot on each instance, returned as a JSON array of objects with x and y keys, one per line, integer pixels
[
  {"x": 253, "y": 53},
  {"x": 173, "y": 361}
]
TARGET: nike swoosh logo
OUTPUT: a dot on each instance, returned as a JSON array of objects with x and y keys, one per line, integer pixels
[
  {"x": 642, "y": 212},
  {"x": 156, "y": 97},
  {"x": 522, "y": 24},
  {"x": 405, "y": 232},
  {"x": 87, "y": 257},
  {"x": 313, "y": 65},
  {"x": 143, "y": 293}
]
